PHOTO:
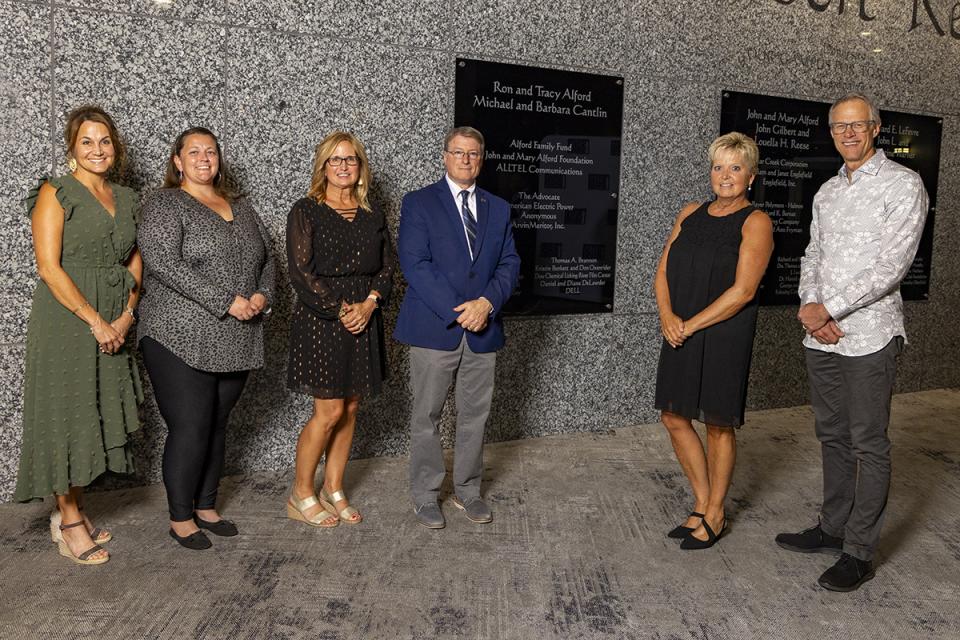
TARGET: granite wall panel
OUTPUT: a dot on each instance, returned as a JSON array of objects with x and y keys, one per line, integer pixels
[
  {"x": 769, "y": 46},
  {"x": 11, "y": 416},
  {"x": 157, "y": 77},
  {"x": 566, "y": 32},
  {"x": 25, "y": 131},
  {"x": 936, "y": 332},
  {"x": 273, "y": 78},
  {"x": 208, "y": 10},
  {"x": 356, "y": 25},
  {"x": 667, "y": 129}
]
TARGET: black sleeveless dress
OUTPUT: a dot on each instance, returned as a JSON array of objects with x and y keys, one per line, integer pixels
[{"x": 706, "y": 378}]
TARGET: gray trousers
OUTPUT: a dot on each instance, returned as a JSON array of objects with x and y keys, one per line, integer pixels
[
  {"x": 851, "y": 405},
  {"x": 431, "y": 373}
]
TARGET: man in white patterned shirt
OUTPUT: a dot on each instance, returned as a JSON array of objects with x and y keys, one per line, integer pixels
[{"x": 866, "y": 226}]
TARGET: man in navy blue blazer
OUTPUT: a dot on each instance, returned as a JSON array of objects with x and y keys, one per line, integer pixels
[{"x": 457, "y": 254}]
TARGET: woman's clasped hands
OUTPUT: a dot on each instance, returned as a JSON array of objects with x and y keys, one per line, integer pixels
[
  {"x": 355, "y": 317},
  {"x": 673, "y": 329},
  {"x": 247, "y": 308},
  {"x": 111, "y": 336}
]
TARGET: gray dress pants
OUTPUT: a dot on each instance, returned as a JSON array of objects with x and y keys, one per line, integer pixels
[
  {"x": 850, "y": 396},
  {"x": 431, "y": 373}
]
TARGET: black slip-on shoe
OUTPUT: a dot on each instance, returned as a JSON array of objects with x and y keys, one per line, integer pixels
[
  {"x": 847, "y": 574},
  {"x": 221, "y": 527},
  {"x": 197, "y": 540},
  {"x": 812, "y": 540}
]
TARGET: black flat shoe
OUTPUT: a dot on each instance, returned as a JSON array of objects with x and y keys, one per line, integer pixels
[
  {"x": 196, "y": 540},
  {"x": 681, "y": 532},
  {"x": 222, "y": 527},
  {"x": 692, "y": 544},
  {"x": 847, "y": 574}
]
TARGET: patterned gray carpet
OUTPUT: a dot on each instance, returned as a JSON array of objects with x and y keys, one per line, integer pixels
[{"x": 577, "y": 550}]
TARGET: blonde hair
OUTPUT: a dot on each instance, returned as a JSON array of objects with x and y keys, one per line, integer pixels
[
  {"x": 323, "y": 152},
  {"x": 735, "y": 142}
]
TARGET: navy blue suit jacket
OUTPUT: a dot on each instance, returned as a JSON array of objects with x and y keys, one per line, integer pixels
[{"x": 435, "y": 261}]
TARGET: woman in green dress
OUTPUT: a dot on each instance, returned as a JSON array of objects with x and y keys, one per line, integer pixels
[{"x": 81, "y": 386}]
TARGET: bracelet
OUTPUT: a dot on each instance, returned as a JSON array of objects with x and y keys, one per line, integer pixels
[
  {"x": 129, "y": 310},
  {"x": 375, "y": 298},
  {"x": 77, "y": 310},
  {"x": 96, "y": 324}
]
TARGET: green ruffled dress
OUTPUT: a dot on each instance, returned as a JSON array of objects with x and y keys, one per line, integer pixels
[{"x": 80, "y": 405}]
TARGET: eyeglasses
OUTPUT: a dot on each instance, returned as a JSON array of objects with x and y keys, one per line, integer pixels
[
  {"x": 859, "y": 126},
  {"x": 459, "y": 155},
  {"x": 336, "y": 161}
]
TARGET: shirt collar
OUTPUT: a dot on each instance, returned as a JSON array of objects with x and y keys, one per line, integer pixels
[
  {"x": 455, "y": 189},
  {"x": 871, "y": 166}
]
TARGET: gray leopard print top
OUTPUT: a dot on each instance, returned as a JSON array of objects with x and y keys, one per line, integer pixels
[{"x": 195, "y": 264}]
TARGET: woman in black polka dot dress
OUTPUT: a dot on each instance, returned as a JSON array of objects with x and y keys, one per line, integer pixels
[{"x": 341, "y": 265}]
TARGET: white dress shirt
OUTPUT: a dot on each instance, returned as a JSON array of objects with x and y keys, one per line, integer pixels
[{"x": 864, "y": 235}]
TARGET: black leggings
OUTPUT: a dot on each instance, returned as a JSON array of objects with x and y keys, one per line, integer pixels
[{"x": 196, "y": 406}]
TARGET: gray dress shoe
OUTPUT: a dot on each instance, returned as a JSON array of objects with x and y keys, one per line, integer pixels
[
  {"x": 476, "y": 510},
  {"x": 429, "y": 515}
]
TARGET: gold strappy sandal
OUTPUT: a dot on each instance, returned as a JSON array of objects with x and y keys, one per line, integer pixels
[
  {"x": 349, "y": 514},
  {"x": 296, "y": 508}
]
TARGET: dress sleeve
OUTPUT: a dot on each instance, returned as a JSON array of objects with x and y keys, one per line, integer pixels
[
  {"x": 310, "y": 288},
  {"x": 266, "y": 280},
  {"x": 160, "y": 238},
  {"x": 383, "y": 280},
  {"x": 31, "y": 200}
]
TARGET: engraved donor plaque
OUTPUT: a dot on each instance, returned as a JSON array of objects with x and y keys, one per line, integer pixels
[
  {"x": 797, "y": 156},
  {"x": 553, "y": 152}
]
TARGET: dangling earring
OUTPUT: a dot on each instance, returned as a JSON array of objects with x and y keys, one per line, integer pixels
[
  {"x": 360, "y": 182},
  {"x": 179, "y": 176},
  {"x": 72, "y": 164}
]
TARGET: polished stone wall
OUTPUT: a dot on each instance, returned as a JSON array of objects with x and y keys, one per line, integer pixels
[{"x": 274, "y": 77}]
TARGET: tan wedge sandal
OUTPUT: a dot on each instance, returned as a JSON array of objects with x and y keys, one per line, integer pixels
[
  {"x": 296, "y": 508},
  {"x": 100, "y": 536},
  {"x": 83, "y": 558},
  {"x": 349, "y": 514}
]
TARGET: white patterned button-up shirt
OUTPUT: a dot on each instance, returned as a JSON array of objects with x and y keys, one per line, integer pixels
[{"x": 863, "y": 237}]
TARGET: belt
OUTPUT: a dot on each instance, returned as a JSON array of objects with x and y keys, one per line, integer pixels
[{"x": 115, "y": 275}]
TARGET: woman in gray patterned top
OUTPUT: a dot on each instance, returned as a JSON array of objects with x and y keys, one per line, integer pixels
[{"x": 208, "y": 282}]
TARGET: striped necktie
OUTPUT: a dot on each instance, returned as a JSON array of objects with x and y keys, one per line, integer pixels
[{"x": 468, "y": 222}]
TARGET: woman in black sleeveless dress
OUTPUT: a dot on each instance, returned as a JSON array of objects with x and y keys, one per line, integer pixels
[{"x": 705, "y": 284}]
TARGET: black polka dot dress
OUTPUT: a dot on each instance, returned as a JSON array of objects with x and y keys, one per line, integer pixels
[{"x": 333, "y": 259}]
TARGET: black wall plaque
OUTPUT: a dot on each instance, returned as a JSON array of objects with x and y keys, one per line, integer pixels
[
  {"x": 553, "y": 152},
  {"x": 797, "y": 156}
]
